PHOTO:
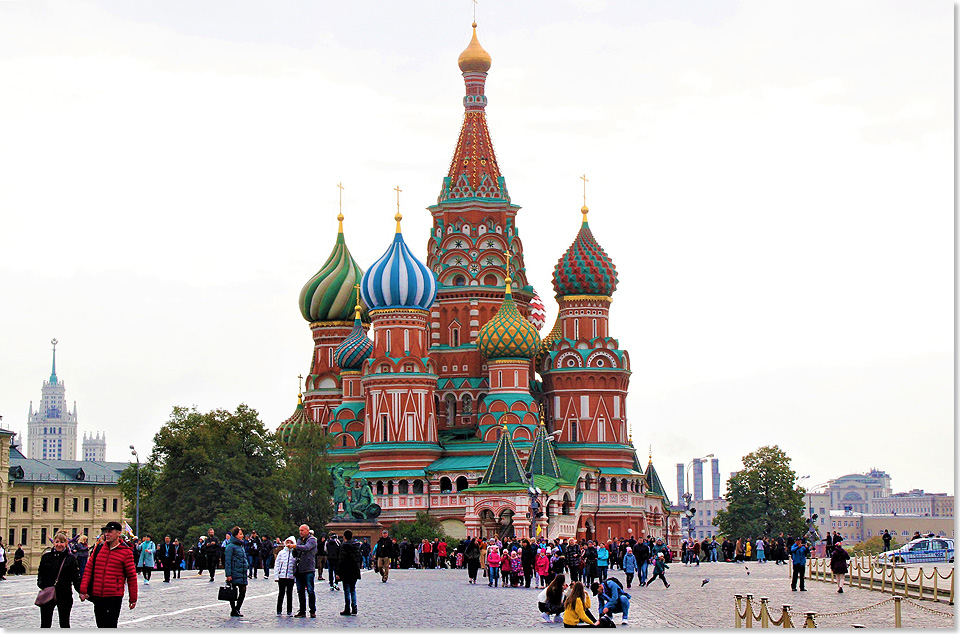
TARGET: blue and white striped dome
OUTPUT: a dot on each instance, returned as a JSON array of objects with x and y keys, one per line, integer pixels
[{"x": 398, "y": 279}]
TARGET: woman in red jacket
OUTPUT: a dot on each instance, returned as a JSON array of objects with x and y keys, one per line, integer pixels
[{"x": 110, "y": 566}]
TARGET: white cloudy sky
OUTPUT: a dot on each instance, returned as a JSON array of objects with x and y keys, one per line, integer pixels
[{"x": 773, "y": 180}]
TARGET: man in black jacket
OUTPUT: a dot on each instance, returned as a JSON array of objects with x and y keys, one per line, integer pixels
[
  {"x": 211, "y": 551},
  {"x": 384, "y": 555},
  {"x": 347, "y": 571},
  {"x": 528, "y": 557},
  {"x": 333, "y": 557},
  {"x": 167, "y": 554},
  {"x": 642, "y": 554}
]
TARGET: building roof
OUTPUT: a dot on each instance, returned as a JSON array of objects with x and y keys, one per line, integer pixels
[
  {"x": 655, "y": 485},
  {"x": 585, "y": 268},
  {"x": 76, "y": 471},
  {"x": 459, "y": 463},
  {"x": 543, "y": 460},
  {"x": 505, "y": 466},
  {"x": 398, "y": 279}
]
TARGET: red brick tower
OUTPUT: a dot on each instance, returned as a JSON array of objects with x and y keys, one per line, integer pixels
[
  {"x": 585, "y": 374},
  {"x": 474, "y": 223}
]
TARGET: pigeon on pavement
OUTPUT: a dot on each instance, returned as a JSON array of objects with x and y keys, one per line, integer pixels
[
  {"x": 748, "y": 571},
  {"x": 704, "y": 582}
]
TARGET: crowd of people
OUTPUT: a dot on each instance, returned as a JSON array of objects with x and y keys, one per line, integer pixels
[{"x": 103, "y": 571}]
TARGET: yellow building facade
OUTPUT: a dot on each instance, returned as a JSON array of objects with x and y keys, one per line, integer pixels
[{"x": 38, "y": 498}]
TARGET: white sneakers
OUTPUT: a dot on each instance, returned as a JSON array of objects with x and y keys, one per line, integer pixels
[
  {"x": 624, "y": 621},
  {"x": 546, "y": 617}
]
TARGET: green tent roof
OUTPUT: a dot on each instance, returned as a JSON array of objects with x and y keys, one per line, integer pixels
[
  {"x": 543, "y": 461},
  {"x": 505, "y": 466},
  {"x": 653, "y": 481}
]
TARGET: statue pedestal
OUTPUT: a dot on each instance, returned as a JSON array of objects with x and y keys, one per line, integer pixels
[{"x": 370, "y": 529}]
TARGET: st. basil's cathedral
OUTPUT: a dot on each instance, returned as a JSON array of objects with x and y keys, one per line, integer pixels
[{"x": 442, "y": 410}]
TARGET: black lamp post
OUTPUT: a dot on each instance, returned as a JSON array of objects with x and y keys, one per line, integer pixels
[{"x": 137, "y": 456}]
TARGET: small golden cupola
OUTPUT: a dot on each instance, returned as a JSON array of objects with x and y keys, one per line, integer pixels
[{"x": 474, "y": 58}]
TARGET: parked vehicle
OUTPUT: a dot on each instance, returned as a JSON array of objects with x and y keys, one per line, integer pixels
[{"x": 918, "y": 551}]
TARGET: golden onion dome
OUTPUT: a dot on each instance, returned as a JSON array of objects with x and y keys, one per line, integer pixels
[{"x": 474, "y": 58}]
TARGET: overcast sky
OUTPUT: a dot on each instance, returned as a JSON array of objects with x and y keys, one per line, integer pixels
[{"x": 773, "y": 180}]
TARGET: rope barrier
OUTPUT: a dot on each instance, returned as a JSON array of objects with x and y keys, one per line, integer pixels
[
  {"x": 856, "y": 611},
  {"x": 931, "y": 610}
]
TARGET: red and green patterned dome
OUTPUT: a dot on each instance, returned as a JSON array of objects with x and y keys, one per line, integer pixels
[
  {"x": 290, "y": 428},
  {"x": 585, "y": 269},
  {"x": 508, "y": 334}
]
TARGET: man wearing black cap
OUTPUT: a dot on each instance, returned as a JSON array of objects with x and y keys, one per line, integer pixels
[{"x": 111, "y": 565}]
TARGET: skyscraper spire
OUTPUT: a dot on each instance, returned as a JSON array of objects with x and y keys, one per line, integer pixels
[{"x": 53, "y": 371}]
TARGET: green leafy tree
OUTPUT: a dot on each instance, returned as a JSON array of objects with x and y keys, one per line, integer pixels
[
  {"x": 308, "y": 479},
  {"x": 216, "y": 469},
  {"x": 762, "y": 498},
  {"x": 424, "y": 527}
]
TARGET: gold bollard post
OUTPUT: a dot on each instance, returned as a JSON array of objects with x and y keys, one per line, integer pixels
[
  {"x": 808, "y": 621},
  {"x": 896, "y": 612},
  {"x": 936, "y": 594},
  {"x": 736, "y": 610},
  {"x": 764, "y": 615},
  {"x": 871, "y": 575},
  {"x": 785, "y": 617},
  {"x": 920, "y": 587},
  {"x": 749, "y": 611}
]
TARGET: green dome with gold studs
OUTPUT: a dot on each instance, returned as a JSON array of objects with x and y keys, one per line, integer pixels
[{"x": 508, "y": 334}]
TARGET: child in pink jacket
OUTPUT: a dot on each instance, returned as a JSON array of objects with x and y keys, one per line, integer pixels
[
  {"x": 493, "y": 566},
  {"x": 542, "y": 566}
]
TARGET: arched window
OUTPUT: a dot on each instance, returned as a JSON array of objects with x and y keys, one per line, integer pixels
[
  {"x": 594, "y": 328},
  {"x": 403, "y": 488},
  {"x": 418, "y": 487},
  {"x": 603, "y": 484},
  {"x": 613, "y": 484},
  {"x": 467, "y": 404},
  {"x": 576, "y": 329},
  {"x": 389, "y": 342},
  {"x": 459, "y": 280},
  {"x": 445, "y": 485},
  {"x": 455, "y": 337},
  {"x": 451, "y": 402},
  {"x": 623, "y": 484},
  {"x": 379, "y": 487},
  {"x": 462, "y": 483},
  {"x": 383, "y": 428},
  {"x": 406, "y": 340},
  {"x": 574, "y": 430},
  {"x": 390, "y": 487},
  {"x": 490, "y": 279}
]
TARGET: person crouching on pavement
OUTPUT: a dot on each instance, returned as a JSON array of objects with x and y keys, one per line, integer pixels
[
  {"x": 612, "y": 598},
  {"x": 283, "y": 573},
  {"x": 550, "y": 601},
  {"x": 576, "y": 608}
]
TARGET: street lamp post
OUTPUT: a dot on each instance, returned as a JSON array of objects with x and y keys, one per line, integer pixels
[
  {"x": 688, "y": 496},
  {"x": 137, "y": 456}
]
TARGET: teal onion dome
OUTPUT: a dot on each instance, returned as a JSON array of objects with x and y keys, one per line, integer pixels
[
  {"x": 508, "y": 334},
  {"x": 290, "y": 428},
  {"x": 328, "y": 296},
  {"x": 585, "y": 268},
  {"x": 398, "y": 279},
  {"x": 355, "y": 349}
]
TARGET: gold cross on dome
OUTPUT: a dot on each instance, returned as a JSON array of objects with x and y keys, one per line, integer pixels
[
  {"x": 585, "y": 181},
  {"x": 508, "y": 255},
  {"x": 340, "y": 187},
  {"x": 299, "y": 382},
  {"x": 474, "y": 10},
  {"x": 398, "y": 190}
]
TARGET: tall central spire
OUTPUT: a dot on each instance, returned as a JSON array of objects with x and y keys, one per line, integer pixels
[
  {"x": 53, "y": 371},
  {"x": 474, "y": 172}
]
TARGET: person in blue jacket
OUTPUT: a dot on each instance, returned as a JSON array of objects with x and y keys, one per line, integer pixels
[
  {"x": 612, "y": 598},
  {"x": 629, "y": 565},
  {"x": 603, "y": 561},
  {"x": 799, "y": 553},
  {"x": 235, "y": 568}
]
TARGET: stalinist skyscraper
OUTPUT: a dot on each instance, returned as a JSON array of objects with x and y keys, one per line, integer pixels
[{"x": 52, "y": 430}]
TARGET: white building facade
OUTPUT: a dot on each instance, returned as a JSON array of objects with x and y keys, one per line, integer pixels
[{"x": 52, "y": 429}]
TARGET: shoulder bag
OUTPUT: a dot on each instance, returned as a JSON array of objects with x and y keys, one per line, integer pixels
[{"x": 48, "y": 595}]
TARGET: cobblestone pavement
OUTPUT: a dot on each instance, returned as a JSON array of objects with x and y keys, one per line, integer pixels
[{"x": 443, "y": 598}]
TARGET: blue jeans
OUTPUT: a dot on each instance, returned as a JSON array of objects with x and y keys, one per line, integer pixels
[
  {"x": 305, "y": 586},
  {"x": 493, "y": 576},
  {"x": 643, "y": 572},
  {"x": 620, "y": 605},
  {"x": 349, "y": 593},
  {"x": 332, "y": 572},
  {"x": 251, "y": 566},
  {"x": 713, "y": 554}
]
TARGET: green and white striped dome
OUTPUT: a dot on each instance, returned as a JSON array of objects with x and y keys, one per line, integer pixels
[{"x": 330, "y": 295}]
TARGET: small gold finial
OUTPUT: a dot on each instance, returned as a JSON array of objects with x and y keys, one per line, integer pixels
[
  {"x": 398, "y": 217},
  {"x": 299, "y": 389},
  {"x": 357, "y": 308},
  {"x": 651, "y": 454},
  {"x": 340, "y": 206},
  {"x": 584, "y": 210},
  {"x": 542, "y": 417}
]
